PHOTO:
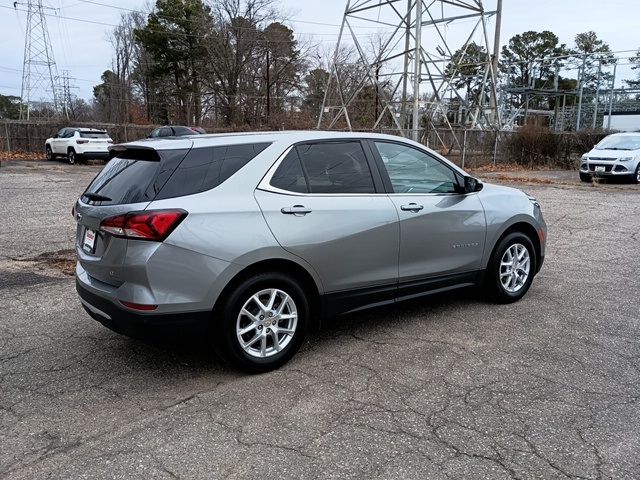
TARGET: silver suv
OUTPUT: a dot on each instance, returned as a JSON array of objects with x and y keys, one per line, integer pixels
[{"x": 258, "y": 236}]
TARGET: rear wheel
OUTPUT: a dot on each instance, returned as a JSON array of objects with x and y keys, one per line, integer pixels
[
  {"x": 262, "y": 323},
  {"x": 585, "y": 177},
  {"x": 72, "y": 156},
  {"x": 511, "y": 268}
]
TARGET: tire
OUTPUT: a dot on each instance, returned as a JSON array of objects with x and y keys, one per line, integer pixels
[
  {"x": 262, "y": 355},
  {"x": 49, "y": 153},
  {"x": 72, "y": 156},
  {"x": 584, "y": 177},
  {"x": 496, "y": 273},
  {"x": 636, "y": 176}
]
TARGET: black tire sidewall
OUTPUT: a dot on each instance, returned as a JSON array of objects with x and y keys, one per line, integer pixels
[
  {"x": 494, "y": 284},
  {"x": 224, "y": 323},
  {"x": 49, "y": 153},
  {"x": 585, "y": 177},
  {"x": 72, "y": 155},
  {"x": 634, "y": 180}
]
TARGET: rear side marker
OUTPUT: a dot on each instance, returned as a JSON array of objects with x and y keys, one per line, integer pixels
[{"x": 138, "y": 306}]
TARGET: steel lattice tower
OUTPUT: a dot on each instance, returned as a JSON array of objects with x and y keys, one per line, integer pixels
[
  {"x": 39, "y": 74},
  {"x": 413, "y": 72}
]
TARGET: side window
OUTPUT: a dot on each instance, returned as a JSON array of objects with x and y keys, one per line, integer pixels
[
  {"x": 155, "y": 133},
  {"x": 289, "y": 175},
  {"x": 62, "y": 132},
  {"x": 413, "y": 171},
  {"x": 206, "y": 168},
  {"x": 336, "y": 167}
]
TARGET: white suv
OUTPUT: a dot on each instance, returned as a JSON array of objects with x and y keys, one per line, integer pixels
[
  {"x": 78, "y": 143},
  {"x": 616, "y": 155}
]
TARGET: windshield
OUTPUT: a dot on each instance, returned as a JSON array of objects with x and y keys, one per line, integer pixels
[
  {"x": 619, "y": 143},
  {"x": 93, "y": 135}
]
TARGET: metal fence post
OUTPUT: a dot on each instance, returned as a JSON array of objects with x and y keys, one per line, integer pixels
[
  {"x": 6, "y": 132},
  {"x": 464, "y": 147},
  {"x": 495, "y": 149}
]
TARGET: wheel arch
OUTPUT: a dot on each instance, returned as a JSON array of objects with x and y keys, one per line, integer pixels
[
  {"x": 526, "y": 228},
  {"x": 279, "y": 265}
]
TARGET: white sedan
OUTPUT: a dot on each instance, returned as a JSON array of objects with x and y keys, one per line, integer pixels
[{"x": 78, "y": 143}]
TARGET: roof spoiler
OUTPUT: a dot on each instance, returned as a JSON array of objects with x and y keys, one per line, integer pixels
[{"x": 131, "y": 152}]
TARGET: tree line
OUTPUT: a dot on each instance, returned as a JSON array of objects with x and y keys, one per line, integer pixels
[{"x": 235, "y": 63}]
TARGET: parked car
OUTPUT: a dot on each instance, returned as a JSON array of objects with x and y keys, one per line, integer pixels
[
  {"x": 259, "y": 236},
  {"x": 176, "y": 131},
  {"x": 76, "y": 143},
  {"x": 616, "y": 155}
]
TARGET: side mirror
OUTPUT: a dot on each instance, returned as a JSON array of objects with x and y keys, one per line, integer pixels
[
  {"x": 472, "y": 185},
  {"x": 55, "y": 136}
]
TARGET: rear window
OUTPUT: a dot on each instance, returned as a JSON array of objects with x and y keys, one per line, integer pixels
[
  {"x": 93, "y": 134},
  {"x": 134, "y": 176},
  {"x": 142, "y": 175}
]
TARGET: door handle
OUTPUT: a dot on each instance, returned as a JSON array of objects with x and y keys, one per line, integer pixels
[
  {"x": 412, "y": 207},
  {"x": 295, "y": 210}
]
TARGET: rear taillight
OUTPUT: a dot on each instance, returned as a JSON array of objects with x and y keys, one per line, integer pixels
[
  {"x": 82, "y": 141},
  {"x": 155, "y": 225}
]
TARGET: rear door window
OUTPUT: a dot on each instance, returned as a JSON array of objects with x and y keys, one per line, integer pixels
[
  {"x": 206, "y": 168},
  {"x": 336, "y": 167},
  {"x": 289, "y": 175}
]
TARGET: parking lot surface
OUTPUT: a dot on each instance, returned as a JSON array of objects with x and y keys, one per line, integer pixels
[{"x": 448, "y": 387}]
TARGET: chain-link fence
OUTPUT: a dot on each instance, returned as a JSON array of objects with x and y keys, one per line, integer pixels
[
  {"x": 20, "y": 136},
  {"x": 529, "y": 146}
]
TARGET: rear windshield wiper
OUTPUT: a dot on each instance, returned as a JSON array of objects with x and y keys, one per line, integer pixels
[{"x": 96, "y": 197}]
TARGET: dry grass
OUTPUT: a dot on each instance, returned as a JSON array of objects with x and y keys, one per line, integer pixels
[
  {"x": 19, "y": 155},
  {"x": 63, "y": 261}
]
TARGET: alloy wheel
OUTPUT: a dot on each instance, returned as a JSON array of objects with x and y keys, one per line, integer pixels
[
  {"x": 266, "y": 323},
  {"x": 514, "y": 267}
]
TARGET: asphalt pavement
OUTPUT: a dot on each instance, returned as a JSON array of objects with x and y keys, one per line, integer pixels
[{"x": 449, "y": 387}]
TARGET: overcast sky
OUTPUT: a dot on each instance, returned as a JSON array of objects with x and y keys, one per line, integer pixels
[{"x": 82, "y": 48}]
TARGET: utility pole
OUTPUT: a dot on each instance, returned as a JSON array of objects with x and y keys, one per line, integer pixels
[
  {"x": 580, "y": 91},
  {"x": 416, "y": 73},
  {"x": 268, "y": 86},
  {"x": 405, "y": 76},
  {"x": 39, "y": 72},
  {"x": 595, "y": 104},
  {"x": 611, "y": 94},
  {"x": 493, "y": 103}
]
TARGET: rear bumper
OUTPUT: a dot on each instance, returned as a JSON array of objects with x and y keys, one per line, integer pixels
[
  {"x": 128, "y": 322},
  {"x": 89, "y": 154}
]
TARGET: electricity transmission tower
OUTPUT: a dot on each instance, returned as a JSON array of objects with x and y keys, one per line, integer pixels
[
  {"x": 435, "y": 65},
  {"x": 39, "y": 93},
  {"x": 66, "y": 97}
]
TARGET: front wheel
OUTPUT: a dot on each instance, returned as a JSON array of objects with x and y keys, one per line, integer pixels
[
  {"x": 636, "y": 176},
  {"x": 511, "y": 268},
  {"x": 584, "y": 177},
  {"x": 262, "y": 323},
  {"x": 49, "y": 153}
]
